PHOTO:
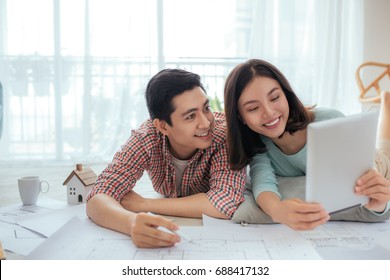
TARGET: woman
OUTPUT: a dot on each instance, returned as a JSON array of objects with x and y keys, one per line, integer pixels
[{"x": 267, "y": 129}]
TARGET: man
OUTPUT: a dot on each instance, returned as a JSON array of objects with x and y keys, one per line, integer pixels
[{"x": 182, "y": 147}]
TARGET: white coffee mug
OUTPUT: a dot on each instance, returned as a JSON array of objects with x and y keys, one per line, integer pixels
[{"x": 30, "y": 187}]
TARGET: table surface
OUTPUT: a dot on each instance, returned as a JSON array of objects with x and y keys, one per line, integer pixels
[{"x": 56, "y": 174}]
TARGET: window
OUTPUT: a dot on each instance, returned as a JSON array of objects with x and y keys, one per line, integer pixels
[{"x": 74, "y": 72}]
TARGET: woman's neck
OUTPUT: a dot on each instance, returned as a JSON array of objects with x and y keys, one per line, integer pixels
[{"x": 291, "y": 144}]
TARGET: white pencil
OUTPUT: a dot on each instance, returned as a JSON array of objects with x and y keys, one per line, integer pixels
[{"x": 178, "y": 232}]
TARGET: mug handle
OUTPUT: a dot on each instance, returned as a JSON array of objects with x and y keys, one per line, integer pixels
[{"x": 47, "y": 184}]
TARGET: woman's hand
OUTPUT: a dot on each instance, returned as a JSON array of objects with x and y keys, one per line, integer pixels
[
  {"x": 300, "y": 215},
  {"x": 376, "y": 187},
  {"x": 294, "y": 213}
]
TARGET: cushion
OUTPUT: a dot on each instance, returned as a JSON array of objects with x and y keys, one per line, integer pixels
[{"x": 294, "y": 187}]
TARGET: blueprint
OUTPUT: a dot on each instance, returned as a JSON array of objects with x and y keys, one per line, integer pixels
[
  {"x": 84, "y": 240},
  {"x": 338, "y": 240},
  {"x": 352, "y": 241},
  {"x": 67, "y": 233}
]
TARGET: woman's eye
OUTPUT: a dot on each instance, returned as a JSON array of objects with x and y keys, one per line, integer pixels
[{"x": 252, "y": 109}]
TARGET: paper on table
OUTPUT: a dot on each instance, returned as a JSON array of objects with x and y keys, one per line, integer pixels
[
  {"x": 351, "y": 240},
  {"x": 18, "y": 239},
  {"x": 48, "y": 223},
  {"x": 10, "y": 213},
  {"x": 214, "y": 222},
  {"x": 337, "y": 240},
  {"x": 84, "y": 240}
]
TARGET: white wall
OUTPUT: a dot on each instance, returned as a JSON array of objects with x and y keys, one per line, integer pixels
[
  {"x": 376, "y": 42},
  {"x": 377, "y": 31}
]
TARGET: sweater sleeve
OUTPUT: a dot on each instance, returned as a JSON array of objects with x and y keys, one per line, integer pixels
[{"x": 262, "y": 176}]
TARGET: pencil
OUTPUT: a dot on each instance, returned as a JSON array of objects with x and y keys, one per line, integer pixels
[{"x": 2, "y": 254}]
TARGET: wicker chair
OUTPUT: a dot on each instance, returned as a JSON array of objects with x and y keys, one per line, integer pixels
[{"x": 363, "y": 97}]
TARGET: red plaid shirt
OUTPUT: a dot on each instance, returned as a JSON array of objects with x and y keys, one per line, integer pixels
[{"x": 207, "y": 172}]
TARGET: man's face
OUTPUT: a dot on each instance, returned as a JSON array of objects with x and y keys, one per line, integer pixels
[{"x": 192, "y": 124}]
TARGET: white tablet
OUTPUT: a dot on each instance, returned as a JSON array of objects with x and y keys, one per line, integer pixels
[{"x": 339, "y": 151}]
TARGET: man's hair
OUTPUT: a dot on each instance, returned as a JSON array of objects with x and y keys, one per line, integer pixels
[
  {"x": 244, "y": 143},
  {"x": 166, "y": 85}
]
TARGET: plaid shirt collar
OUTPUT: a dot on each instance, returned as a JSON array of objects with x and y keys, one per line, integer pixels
[{"x": 168, "y": 155}]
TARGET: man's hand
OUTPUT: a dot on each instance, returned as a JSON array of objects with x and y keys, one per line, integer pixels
[
  {"x": 143, "y": 228},
  {"x": 376, "y": 187},
  {"x": 145, "y": 233}
]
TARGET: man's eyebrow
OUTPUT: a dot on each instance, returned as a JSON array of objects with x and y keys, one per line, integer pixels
[{"x": 195, "y": 109}]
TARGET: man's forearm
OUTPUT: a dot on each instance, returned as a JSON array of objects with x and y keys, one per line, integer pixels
[
  {"x": 190, "y": 206},
  {"x": 107, "y": 212}
]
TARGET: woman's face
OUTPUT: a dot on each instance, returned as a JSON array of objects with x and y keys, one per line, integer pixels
[{"x": 263, "y": 107}]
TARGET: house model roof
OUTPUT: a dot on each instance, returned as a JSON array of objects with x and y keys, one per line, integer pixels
[{"x": 84, "y": 174}]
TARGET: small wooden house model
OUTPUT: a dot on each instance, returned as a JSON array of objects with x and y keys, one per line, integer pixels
[{"x": 79, "y": 184}]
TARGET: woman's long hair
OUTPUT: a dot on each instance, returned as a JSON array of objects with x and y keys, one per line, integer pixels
[{"x": 244, "y": 143}]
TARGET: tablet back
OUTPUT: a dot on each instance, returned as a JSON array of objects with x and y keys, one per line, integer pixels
[{"x": 339, "y": 151}]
